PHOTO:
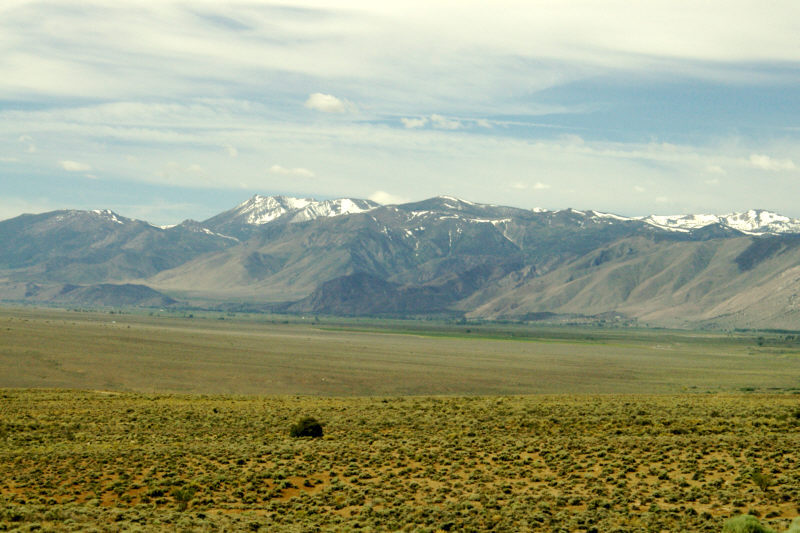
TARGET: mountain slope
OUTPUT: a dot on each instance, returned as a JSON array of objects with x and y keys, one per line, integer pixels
[
  {"x": 679, "y": 284},
  {"x": 441, "y": 255},
  {"x": 97, "y": 246},
  {"x": 420, "y": 243}
]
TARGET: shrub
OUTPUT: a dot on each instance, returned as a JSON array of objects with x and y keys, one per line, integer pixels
[
  {"x": 745, "y": 524},
  {"x": 183, "y": 496},
  {"x": 762, "y": 481},
  {"x": 794, "y": 527},
  {"x": 306, "y": 427}
]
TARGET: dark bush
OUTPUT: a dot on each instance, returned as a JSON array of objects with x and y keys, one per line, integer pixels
[{"x": 306, "y": 427}]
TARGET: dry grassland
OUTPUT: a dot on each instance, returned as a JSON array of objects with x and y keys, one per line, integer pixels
[
  {"x": 51, "y": 349},
  {"x": 83, "y": 461},
  {"x": 425, "y": 430}
]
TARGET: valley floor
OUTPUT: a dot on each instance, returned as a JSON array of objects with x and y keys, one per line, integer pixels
[
  {"x": 259, "y": 354},
  {"x": 148, "y": 423}
]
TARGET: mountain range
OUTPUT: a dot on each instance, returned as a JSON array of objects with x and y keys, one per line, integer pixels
[{"x": 442, "y": 256}]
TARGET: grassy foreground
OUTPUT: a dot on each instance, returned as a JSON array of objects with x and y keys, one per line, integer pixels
[{"x": 100, "y": 461}]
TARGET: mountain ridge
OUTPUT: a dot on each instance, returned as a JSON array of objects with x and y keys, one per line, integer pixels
[{"x": 442, "y": 255}]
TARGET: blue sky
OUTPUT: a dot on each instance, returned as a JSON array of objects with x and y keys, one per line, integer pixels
[{"x": 165, "y": 110}]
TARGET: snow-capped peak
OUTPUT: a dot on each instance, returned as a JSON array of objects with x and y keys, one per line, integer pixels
[
  {"x": 757, "y": 220},
  {"x": 108, "y": 215},
  {"x": 263, "y": 209},
  {"x": 332, "y": 208},
  {"x": 754, "y": 221}
]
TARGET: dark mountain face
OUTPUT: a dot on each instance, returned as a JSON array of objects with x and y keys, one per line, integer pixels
[
  {"x": 366, "y": 294},
  {"x": 438, "y": 256},
  {"x": 100, "y": 295}
]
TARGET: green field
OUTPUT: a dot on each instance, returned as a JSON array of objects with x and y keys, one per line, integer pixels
[
  {"x": 142, "y": 423},
  {"x": 59, "y": 349}
]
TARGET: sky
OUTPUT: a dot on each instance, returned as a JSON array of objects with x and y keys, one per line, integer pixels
[{"x": 165, "y": 109}]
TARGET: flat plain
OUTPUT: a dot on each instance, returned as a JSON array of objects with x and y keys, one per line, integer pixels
[
  {"x": 139, "y": 423},
  {"x": 257, "y": 355}
]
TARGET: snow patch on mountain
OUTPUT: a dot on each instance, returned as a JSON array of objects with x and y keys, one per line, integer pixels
[
  {"x": 108, "y": 215},
  {"x": 752, "y": 222},
  {"x": 332, "y": 208},
  {"x": 759, "y": 221},
  {"x": 260, "y": 210}
]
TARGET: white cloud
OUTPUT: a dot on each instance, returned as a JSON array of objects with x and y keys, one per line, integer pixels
[
  {"x": 444, "y": 123},
  {"x": 639, "y": 188},
  {"x": 539, "y": 186},
  {"x": 8, "y": 159},
  {"x": 74, "y": 166},
  {"x": 766, "y": 162},
  {"x": 716, "y": 169},
  {"x": 385, "y": 198},
  {"x": 411, "y": 123},
  {"x": 297, "y": 172},
  {"x": 327, "y": 103},
  {"x": 231, "y": 150}
]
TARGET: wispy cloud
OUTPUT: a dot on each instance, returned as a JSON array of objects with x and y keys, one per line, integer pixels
[
  {"x": 445, "y": 123},
  {"x": 766, "y": 162},
  {"x": 297, "y": 172},
  {"x": 211, "y": 94},
  {"x": 28, "y": 141}
]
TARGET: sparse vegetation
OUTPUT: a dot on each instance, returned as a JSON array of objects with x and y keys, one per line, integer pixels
[
  {"x": 75, "y": 461},
  {"x": 390, "y": 460}
]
